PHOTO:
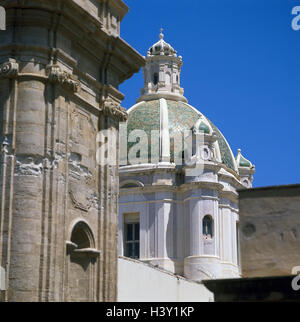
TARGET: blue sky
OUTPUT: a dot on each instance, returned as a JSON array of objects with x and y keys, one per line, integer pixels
[{"x": 241, "y": 70}]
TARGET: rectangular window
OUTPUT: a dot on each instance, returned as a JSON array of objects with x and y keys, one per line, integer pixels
[{"x": 132, "y": 236}]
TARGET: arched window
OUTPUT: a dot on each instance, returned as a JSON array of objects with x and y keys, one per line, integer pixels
[
  {"x": 155, "y": 79},
  {"x": 208, "y": 227},
  {"x": 81, "y": 265}
]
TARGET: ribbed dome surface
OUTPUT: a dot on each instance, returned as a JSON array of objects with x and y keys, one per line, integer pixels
[{"x": 181, "y": 116}]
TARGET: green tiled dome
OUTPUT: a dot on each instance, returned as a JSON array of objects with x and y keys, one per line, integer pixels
[{"x": 146, "y": 116}]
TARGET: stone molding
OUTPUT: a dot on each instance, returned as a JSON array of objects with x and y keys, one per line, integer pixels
[
  {"x": 9, "y": 69},
  {"x": 113, "y": 109},
  {"x": 67, "y": 80}
]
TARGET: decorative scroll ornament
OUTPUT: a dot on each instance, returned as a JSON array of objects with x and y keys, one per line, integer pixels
[
  {"x": 113, "y": 109},
  {"x": 9, "y": 69},
  {"x": 56, "y": 75}
]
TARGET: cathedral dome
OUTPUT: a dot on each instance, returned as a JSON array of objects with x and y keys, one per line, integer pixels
[
  {"x": 179, "y": 179},
  {"x": 163, "y": 108},
  {"x": 147, "y": 116}
]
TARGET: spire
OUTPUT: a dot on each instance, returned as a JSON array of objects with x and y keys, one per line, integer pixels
[
  {"x": 162, "y": 73},
  {"x": 161, "y": 35}
]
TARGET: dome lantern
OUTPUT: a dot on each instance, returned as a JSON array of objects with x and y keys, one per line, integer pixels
[{"x": 162, "y": 73}]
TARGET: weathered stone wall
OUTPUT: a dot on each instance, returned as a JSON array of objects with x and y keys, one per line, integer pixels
[
  {"x": 61, "y": 63},
  {"x": 269, "y": 230}
]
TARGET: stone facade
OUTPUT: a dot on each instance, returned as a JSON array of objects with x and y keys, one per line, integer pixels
[
  {"x": 270, "y": 231},
  {"x": 61, "y": 63}
]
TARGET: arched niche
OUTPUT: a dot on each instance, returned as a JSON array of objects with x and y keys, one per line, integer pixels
[
  {"x": 82, "y": 236},
  {"x": 208, "y": 231},
  {"x": 82, "y": 258},
  {"x": 208, "y": 227}
]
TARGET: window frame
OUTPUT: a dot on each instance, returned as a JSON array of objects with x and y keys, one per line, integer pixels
[{"x": 131, "y": 219}]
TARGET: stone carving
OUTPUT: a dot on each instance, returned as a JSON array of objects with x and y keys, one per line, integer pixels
[
  {"x": 81, "y": 198},
  {"x": 112, "y": 108},
  {"x": 9, "y": 69},
  {"x": 28, "y": 166},
  {"x": 5, "y": 146},
  {"x": 56, "y": 75},
  {"x": 82, "y": 127}
]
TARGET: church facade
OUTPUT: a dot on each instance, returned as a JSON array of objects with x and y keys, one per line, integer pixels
[
  {"x": 178, "y": 205},
  {"x": 61, "y": 63}
]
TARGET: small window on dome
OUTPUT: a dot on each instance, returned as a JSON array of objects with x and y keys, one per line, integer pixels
[
  {"x": 155, "y": 79},
  {"x": 207, "y": 227},
  {"x": 177, "y": 79}
]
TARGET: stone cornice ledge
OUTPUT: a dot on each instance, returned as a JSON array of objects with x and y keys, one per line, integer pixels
[
  {"x": 202, "y": 185},
  {"x": 231, "y": 195},
  {"x": 147, "y": 167}
]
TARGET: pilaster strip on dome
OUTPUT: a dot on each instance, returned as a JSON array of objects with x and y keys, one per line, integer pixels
[{"x": 164, "y": 131}]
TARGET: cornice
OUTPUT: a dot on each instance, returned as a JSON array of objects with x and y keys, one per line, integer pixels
[
  {"x": 55, "y": 75},
  {"x": 120, "y": 6},
  {"x": 231, "y": 195},
  {"x": 99, "y": 41},
  {"x": 202, "y": 185},
  {"x": 147, "y": 168}
]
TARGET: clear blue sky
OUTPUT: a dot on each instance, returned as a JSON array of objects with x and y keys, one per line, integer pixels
[{"x": 241, "y": 69}]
